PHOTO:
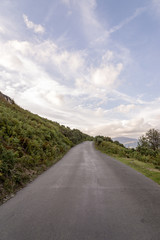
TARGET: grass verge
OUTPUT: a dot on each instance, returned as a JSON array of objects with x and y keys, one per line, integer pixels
[{"x": 147, "y": 169}]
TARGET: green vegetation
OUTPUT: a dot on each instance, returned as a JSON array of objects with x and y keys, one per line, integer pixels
[
  {"x": 143, "y": 159},
  {"x": 29, "y": 144},
  {"x": 150, "y": 141}
]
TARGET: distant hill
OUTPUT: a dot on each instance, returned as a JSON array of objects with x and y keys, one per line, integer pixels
[
  {"x": 127, "y": 142},
  {"x": 29, "y": 144}
]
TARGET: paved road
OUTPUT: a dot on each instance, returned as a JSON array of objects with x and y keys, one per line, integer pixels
[{"x": 85, "y": 196}]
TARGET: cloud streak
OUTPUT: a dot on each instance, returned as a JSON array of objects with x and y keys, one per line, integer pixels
[
  {"x": 90, "y": 24},
  {"x": 138, "y": 12}
]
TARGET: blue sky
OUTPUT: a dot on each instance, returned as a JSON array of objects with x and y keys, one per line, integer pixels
[{"x": 91, "y": 65}]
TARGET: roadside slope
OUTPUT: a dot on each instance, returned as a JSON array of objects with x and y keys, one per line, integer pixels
[{"x": 29, "y": 144}]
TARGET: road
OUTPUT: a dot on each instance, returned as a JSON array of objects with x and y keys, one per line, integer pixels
[{"x": 85, "y": 196}]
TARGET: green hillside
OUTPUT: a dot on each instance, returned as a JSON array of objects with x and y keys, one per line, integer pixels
[{"x": 29, "y": 144}]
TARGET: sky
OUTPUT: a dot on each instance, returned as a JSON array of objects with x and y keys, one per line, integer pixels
[{"x": 93, "y": 65}]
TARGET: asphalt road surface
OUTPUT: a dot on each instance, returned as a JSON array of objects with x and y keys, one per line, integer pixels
[{"x": 85, "y": 196}]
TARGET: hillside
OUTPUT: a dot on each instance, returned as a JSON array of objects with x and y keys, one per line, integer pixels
[
  {"x": 127, "y": 142},
  {"x": 29, "y": 144}
]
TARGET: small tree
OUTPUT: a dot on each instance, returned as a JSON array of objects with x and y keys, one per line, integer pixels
[
  {"x": 153, "y": 137},
  {"x": 151, "y": 140},
  {"x": 98, "y": 140},
  {"x": 143, "y": 142}
]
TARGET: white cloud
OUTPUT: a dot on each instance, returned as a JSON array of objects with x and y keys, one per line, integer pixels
[
  {"x": 138, "y": 120},
  {"x": 130, "y": 128},
  {"x": 37, "y": 28},
  {"x": 151, "y": 112},
  {"x": 66, "y": 66},
  {"x": 28, "y": 76},
  {"x": 106, "y": 76},
  {"x": 98, "y": 81},
  {"x": 125, "y": 108},
  {"x": 45, "y": 53}
]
